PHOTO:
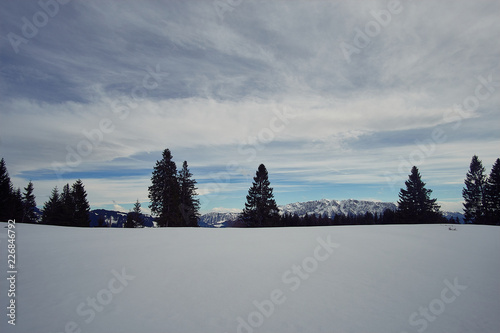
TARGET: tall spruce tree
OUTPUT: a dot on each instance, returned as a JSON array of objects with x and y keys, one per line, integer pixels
[
  {"x": 415, "y": 204},
  {"x": 492, "y": 195},
  {"x": 67, "y": 206},
  {"x": 189, "y": 205},
  {"x": 16, "y": 205},
  {"x": 81, "y": 212},
  {"x": 29, "y": 204},
  {"x": 260, "y": 209},
  {"x": 5, "y": 193},
  {"x": 164, "y": 193},
  {"x": 51, "y": 212},
  {"x": 473, "y": 192}
]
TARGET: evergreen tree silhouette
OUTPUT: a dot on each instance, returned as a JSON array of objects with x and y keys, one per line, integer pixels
[
  {"x": 473, "y": 192},
  {"x": 260, "y": 209},
  {"x": 415, "y": 204}
]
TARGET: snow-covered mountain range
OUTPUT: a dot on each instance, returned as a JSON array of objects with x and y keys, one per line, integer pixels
[
  {"x": 322, "y": 207},
  {"x": 217, "y": 220},
  {"x": 330, "y": 208}
]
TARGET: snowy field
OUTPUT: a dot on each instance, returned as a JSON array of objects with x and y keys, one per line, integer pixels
[{"x": 417, "y": 278}]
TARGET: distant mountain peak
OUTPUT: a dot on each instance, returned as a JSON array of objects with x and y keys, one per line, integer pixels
[
  {"x": 321, "y": 207},
  {"x": 330, "y": 207},
  {"x": 217, "y": 219}
]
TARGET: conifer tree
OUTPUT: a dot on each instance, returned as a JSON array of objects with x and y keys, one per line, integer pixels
[
  {"x": 164, "y": 193},
  {"x": 492, "y": 195},
  {"x": 189, "y": 205},
  {"x": 29, "y": 204},
  {"x": 473, "y": 192},
  {"x": 51, "y": 213},
  {"x": 260, "y": 209},
  {"x": 139, "y": 219},
  {"x": 16, "y": 205},
  {"x": 415, "y": 204},
  {"x": 81, "y": 212},
  {"x": 5, "y": 193},
  {"x": 135, "y": 218},
  {"x": 67, "y": 206}
]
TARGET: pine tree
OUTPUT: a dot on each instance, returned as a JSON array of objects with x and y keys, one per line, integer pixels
[
  {"x": 81, "y": 215},
  {"x": 5, "y": 193},
  {"x": 51, "y": 213},
  {"x": 260, "y": 209},
  {"x": 492, "y": 195},
  {"x": 139, "y": 219},
  {"x": 16, "y": 205},
  {"x": 473, "y": 192},
  {"x": 29, "y": 204},
  {"x": 67, "y": 206},
  {"x": 415, "y": 204},
  {"x": 135, "y": 218},
  {"x": 164, "y": 193},
  {"x": 189, "y": 205}
]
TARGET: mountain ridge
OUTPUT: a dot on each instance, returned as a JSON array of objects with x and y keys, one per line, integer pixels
[{"x": 321, "y": 207}]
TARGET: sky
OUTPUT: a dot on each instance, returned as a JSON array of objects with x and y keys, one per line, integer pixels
[{"x": 338, "y": 99}]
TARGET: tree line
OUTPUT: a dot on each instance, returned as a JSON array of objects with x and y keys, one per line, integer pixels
[
  {"x": 174, "y": 203},
  {"x": 69, "y": 208},
  {"x": 481, "y": 203},
  {"x": 388, "y": 216},
  {"x": 482, "y": 194},
  {"x": 414, "y": 206},
  {"x": 14, "y": 204},
  {"x": 172, "y": 195}
]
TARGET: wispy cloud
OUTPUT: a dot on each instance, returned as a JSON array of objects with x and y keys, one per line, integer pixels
[{"x": 118, "y": 82}]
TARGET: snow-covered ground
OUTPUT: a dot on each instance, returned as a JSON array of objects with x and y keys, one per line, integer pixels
[{"x": 415, "y": 278}]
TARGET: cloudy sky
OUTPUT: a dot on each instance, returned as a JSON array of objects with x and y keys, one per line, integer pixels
[{"x": 337, "y": 98}]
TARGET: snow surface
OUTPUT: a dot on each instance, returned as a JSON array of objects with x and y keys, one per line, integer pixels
[{"x": 368, "y": 279}]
